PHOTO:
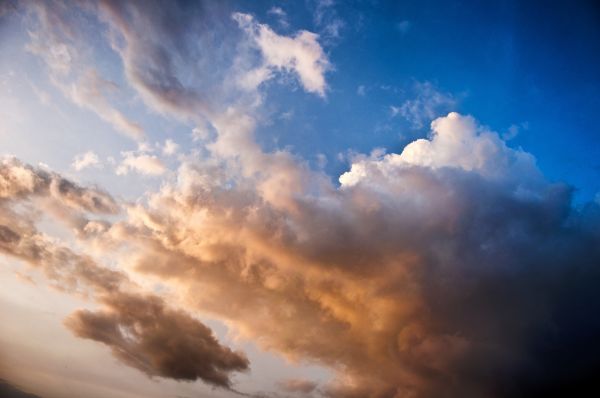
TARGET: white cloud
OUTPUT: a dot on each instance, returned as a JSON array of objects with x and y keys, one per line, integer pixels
[
  {"x": 281, "y": 16},
  {"x": 301, "y": 54},
  {"x": 427, "y": 104},
  {"x": 456, "y": 142},
  {"x": 170, "y": 147},
  {"x": 85, "y": 160},
  {"x": 142, "y": 163}
]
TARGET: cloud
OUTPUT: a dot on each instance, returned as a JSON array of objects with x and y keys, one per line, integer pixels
[
  {"x": 9, "y": 391},
  {"x": 301, "y": 54},
  {"x": 56, "y": 38},
  {"x": 428, "y": 104},
  {"x": 85, "y": 160},
  {"x": 150, "y": 40},
  {"x": 451, "y": 269},
  {"x": 142, "y": 163},
  {"x": 281, "y": 15},
  {"x": 298, "y": 386},
  {"x": 326, "y": 18},
  {"x": 142, "y": 330},
  {"x": 92, "y": 92},
  {"x": 456, "y": 141},
  {"x": 437, "y": 271},
  {"x": 170, "y": 147},
  {"x": 145, "y": 334},
  {"x": 21, "y": 180}
]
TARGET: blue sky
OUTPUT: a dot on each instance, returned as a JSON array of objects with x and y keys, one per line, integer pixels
[
  {"x": 509, "y": 63},
  {"x": 300, "y": 198}
]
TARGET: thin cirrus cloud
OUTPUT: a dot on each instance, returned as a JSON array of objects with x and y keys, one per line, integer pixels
[
  {"x": 426, "y": 104},
  {"x": 55, "y": 39},
  {"x": 452, "y": 268}
]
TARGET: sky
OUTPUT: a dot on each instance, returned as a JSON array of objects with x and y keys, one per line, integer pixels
[{"x": 279, "y": 199}]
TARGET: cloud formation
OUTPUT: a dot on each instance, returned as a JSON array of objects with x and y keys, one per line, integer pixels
[
  {"x": 56, "y": 39},
  {"x": 140, "y": 328},
  {"x": 427, "y": 104},
  {"x": 145, "y": 334},
  {"x": 143, "y": 163},
  {"x": 434, "y": 272},
  {"x": 301, "y": 54},
  {"x": 451, "y": 269},
  {"x": 85, "y": 160}
]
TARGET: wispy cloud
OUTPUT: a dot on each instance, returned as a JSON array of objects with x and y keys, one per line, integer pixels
[{"x": 427, "y": 104}]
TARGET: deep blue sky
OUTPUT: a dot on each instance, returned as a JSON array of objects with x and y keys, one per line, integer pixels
[{"x": 530, "y": 64}]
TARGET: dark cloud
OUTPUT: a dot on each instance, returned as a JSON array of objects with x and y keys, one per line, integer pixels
[
  {"x": 9, "y": 391},
  {"x": 145, "y": 334},
  {"x": 153, "y": 40}
]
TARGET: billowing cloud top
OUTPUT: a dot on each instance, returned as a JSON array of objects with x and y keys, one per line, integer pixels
[{"x": 453, "y": 268}]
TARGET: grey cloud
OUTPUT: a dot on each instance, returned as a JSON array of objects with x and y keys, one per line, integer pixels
[
  {"x": 142, "y": 330},
  {"x": 154, "y": 37},
  {"x": 9, "y": 391},
  {"x": 143, "y": 333}
]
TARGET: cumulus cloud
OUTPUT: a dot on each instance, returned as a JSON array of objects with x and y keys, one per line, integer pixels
[
  {"x": 301, "y": 54},
  {"x": 437, "y": 271},
  {"x": 451, "y": 269},
  {"x": 456, "y": 141},
  {"x": 85, "y": 160}
]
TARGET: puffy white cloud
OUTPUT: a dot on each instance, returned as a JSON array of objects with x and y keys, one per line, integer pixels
[
  {"x": 456, "y": 142},
  {"x": 142, "y": 163},
  {"x": 301, "y": 54}
]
